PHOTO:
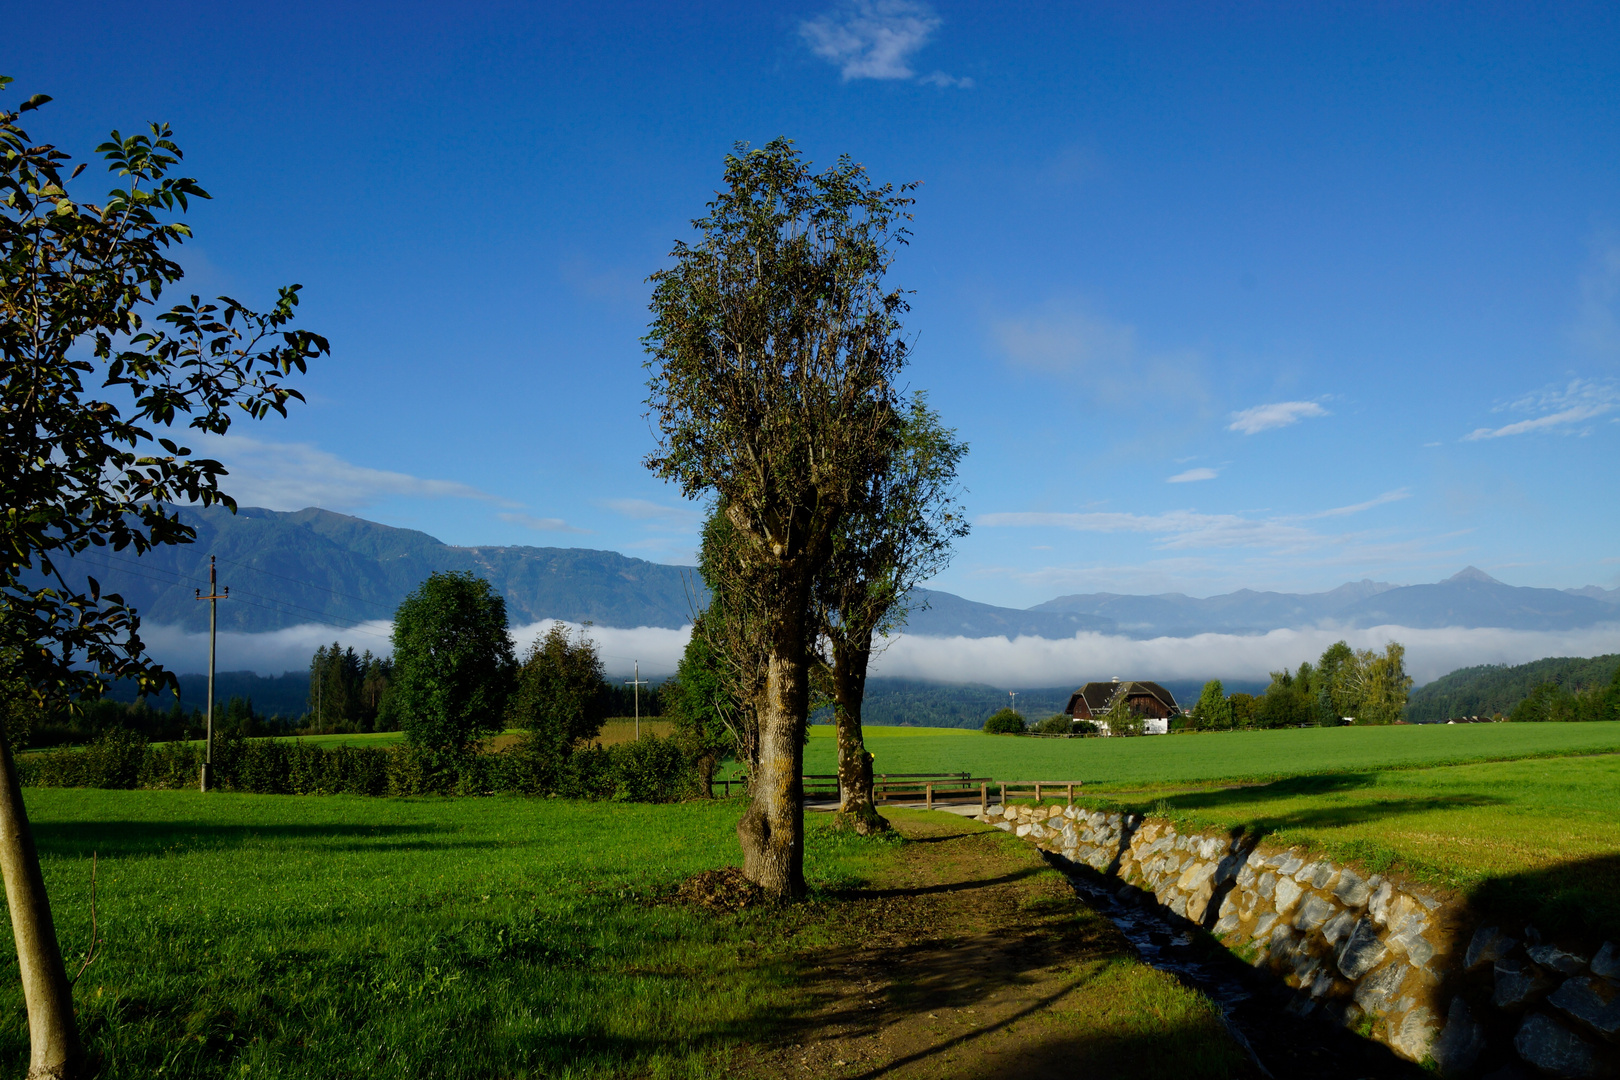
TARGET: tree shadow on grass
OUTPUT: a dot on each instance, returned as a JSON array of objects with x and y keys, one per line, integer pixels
[
  {"x": 137, "y": 839},
  {"x": 1236, "y": 806},
  {"x": 1579, "y": 898}
]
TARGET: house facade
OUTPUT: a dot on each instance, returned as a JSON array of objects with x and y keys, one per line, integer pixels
[{"x": 1152, "y": 702}]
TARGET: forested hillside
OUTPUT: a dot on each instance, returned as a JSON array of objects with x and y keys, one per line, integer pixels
[{"x": 1496, "y": 688}]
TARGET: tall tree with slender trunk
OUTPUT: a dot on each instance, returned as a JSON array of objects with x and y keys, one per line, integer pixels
[
  {"x": 775, "y": 345},
  {"x": 899, "y": 533},
  {"x": 91, "y": 372}
]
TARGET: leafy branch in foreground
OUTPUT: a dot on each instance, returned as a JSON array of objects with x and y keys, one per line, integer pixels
[{"x": 91, "y": 373}]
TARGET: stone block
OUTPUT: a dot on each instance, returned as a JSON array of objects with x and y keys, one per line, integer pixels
[
  {"x": 1316, "y": 875},
  {"x": 1362, "y": 951},
  {"x": 1229, "y": 922},
  {"x": 1460, "y": 1041},
  {"x": 1287, "y": 894},
  {"x": 1313, "y": 912},
  {"x": 1198, "y": 903},
  {"x": 1196, "y": 875},
  {"x": 1023, "y": 830},
  {"x": 1005, "y": 826},
  {"x": 1594, "y": 1002},
  {"x": 1551, "y": 956},
  {"x": 1378, "y": 903},
  {"x": 1487, "y": 946},
  {"x": 1351, "y": 890},
  {"x": 1210, "y": 847},
  {"x": 1414, "y": 1034},
  {"x": 1321, "y": 984},
  {"x": 1607, "y": 961},
  {"x": 1247, "y": 876},
  {"x": 1267, "y": 885},
  {"x": 1339, "y": 927},
  {"x": 1551, "y": 1047},
  {"x": 1378, "y": 991},
  {"x": 1518, "y": 982},
  {"x": 1418, "y": 949},
  {"x": 1179, "y": 905},
  {"x": 1290, "y": 865},
  {"x": 1263, "y": 925}
]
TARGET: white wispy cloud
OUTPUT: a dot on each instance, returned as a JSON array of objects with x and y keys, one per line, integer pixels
[
  {"x": 292, "y": 476},
  {"x": 1563, "y": 409},
  {"x": 685, "y": 518},
  {"x": 539, "y": 524},
  {"x": 1596, "y": 330},
  {"x": 1061, "y": 337},
  {"x": 876, "y": 39},
  {"x": 1277, "y": 414},
  {"x": 1186, "y": 529},
  {"x": 1192, "y": 475},
  {"x": 1341, "y": 511}
]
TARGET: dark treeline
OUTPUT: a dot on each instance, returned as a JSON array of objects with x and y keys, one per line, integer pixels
[{"x": 1557, "y": 687}]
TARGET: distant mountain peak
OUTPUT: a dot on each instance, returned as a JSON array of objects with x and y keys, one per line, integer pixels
[{"x": 1468, "y": 574}]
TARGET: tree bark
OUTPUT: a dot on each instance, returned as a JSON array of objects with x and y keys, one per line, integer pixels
[
  {"x": 772, "y": 831},
  {"x": 53, "y": 1033},
  {"x": 857, "y": 809}
]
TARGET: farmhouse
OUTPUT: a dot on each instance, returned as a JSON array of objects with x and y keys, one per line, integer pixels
[{"x": 1152, "y": 702}]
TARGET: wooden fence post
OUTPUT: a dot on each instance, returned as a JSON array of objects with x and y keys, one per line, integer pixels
[
  {"x": 1037, "y": 793},
  {"x": 984, "y": 800},
  {"x": 1071, "y": 794},
  {"x": 929, "y": 788}
]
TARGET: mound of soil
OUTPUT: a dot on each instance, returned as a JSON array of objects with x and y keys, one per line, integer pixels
[{"x": 719, "y": 890}]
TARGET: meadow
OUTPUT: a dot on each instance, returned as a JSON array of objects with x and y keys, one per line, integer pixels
[
  {"x": 1181, "y": 760},
  {"x": 286, "y": 936},
  {"x": 1523, "y": 820}
]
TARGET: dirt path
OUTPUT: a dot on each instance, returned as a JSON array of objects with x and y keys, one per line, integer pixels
[{"x": 972, "y": 958}]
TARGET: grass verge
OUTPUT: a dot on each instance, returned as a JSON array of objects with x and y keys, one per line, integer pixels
[{"x": 280, "y": 936}]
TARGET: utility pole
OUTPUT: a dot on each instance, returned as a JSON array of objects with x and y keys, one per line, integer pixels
[
  {"x": 1014, "y": 695},
  {"x": 213, "y": 598},
  {"x": 638, "y": 683}
]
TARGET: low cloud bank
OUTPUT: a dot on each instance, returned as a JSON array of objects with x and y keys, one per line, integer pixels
[
  {"x": 276, "y": 651},
  {"x": 1030, "y": 661},
  {"x": 1025, "y": 661}
]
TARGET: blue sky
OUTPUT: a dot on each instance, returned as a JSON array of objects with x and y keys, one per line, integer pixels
[{"x": 1277, "y": 296}]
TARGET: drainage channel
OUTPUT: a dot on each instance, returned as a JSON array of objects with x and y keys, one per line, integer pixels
[{"x": 1261, "y": 1013}]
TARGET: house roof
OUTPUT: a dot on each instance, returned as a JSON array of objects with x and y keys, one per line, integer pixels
[{"x": 1098, "y": 694}]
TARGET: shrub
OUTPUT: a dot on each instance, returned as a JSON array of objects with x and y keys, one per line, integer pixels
[
  {"x": 1056, "y": 724},
  {"x": 1006, "y": 722},
  {"x": 649, "y": 770}
]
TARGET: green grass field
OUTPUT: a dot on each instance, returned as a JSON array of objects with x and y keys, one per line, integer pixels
[
  {"x": 1536, "y": 838},
  {"x": 1180, "y": 760},
  {"x": 282, "y": 936},
  {"x": 1523, "y": 819}
]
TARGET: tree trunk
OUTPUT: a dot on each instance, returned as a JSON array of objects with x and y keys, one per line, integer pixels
[
  {"x": 772, "y": 831},
  {"x": 856, "y": 809},
  {"x": 52, "y": 1032}
]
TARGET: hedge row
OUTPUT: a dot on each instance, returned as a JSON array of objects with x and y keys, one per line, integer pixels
[{"x": 649, "y": 770}]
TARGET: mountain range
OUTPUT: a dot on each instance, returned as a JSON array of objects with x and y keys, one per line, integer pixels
[{"x": 315, "y": 566}]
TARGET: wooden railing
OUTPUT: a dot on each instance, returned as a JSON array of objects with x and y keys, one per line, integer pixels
[
  {"x": 929, "y": 787},
  {"x": 1034, "y": 787}
]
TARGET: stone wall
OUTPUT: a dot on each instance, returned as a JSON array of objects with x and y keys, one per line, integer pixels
[{"x": 1393, "y": 963}]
